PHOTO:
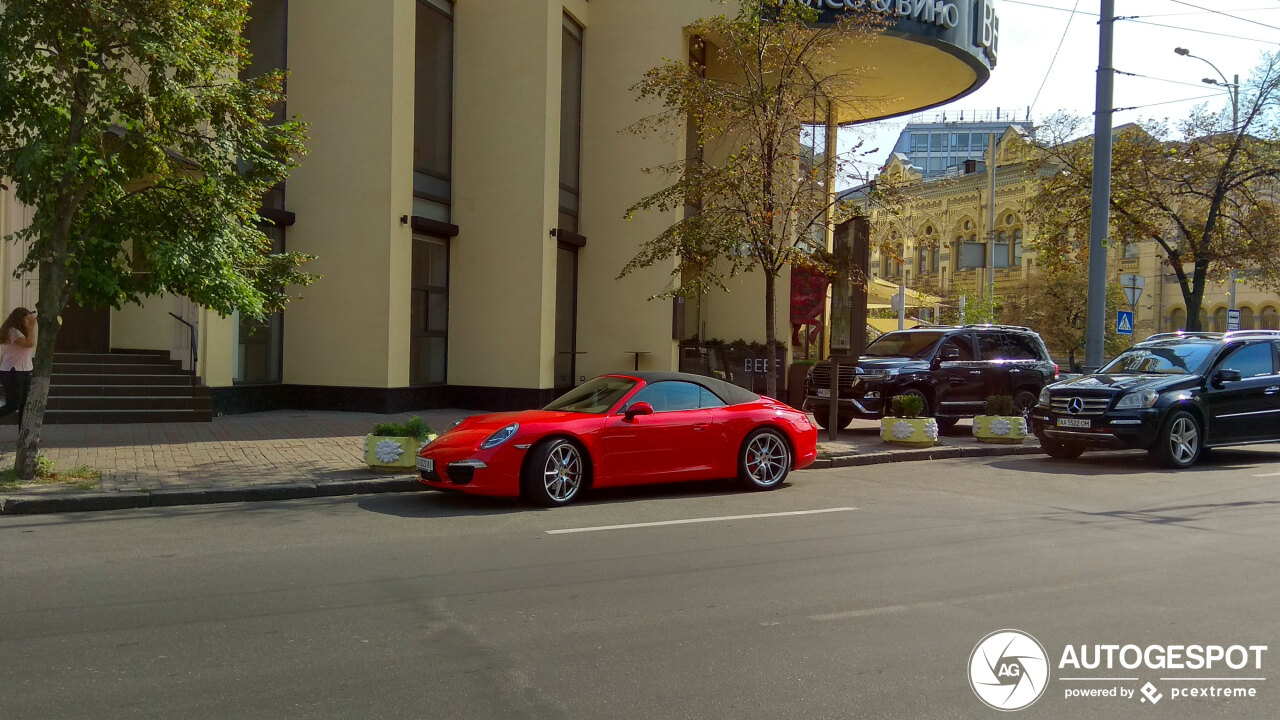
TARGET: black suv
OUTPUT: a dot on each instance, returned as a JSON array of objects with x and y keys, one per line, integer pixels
[
  {"x": 1172, "y": 395},
  {"x": 954, "y": 369}
]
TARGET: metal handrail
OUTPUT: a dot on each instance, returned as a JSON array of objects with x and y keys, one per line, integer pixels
[
  {"x": 192, "y": 329},
  {"x": 1184, "y": 334}
]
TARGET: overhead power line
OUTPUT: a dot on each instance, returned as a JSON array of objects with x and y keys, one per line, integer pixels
[
  {"x": 1148, "y": 77},
  {"x": 1224, "y": 14},
  {"x": 1166, "y": 102},
  {"x": 1049, "y": 70}
]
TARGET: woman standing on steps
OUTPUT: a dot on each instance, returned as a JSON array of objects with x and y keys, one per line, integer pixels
[{"x": 17, "y": 345}]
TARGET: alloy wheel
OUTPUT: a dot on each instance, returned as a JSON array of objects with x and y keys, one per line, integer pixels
[
  {"x": 562, "y": 474},
  {"x": 1184, "y": 440},
  {"x": 767, "y": 459}
]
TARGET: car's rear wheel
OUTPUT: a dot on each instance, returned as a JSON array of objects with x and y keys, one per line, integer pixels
[
  {"x": 764, "y": 460},
  {"x": 1179, "y": 443},
  {"x": 555, "y": 473},
  {"x": 1061, "y": 450},
  {"x": 1023, "y": 401},
  {"x": 822, "y": 420},
  {"x": 946, "y": 423}
]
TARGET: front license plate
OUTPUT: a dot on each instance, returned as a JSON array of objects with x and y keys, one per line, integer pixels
[
  {"x": 1073, "y": 423},
  {"x": 426, "y": 464},
  {"x": 824, "y": 392}
]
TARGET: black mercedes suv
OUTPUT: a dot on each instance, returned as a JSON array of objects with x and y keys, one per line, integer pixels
[
  {"x": 1173, "y": 395},
  {"x": 954, "y": 369}
]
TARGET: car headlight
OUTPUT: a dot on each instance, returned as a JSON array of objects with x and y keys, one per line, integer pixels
[
  {"x": 500, "y": 437},
  {"x": 1138, "y": 400},
  {"x": 1044, "y": 396}
]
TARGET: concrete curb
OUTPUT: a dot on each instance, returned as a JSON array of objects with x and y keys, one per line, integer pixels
[
  {"x": 95, "y": 501},
  {"x": 934, "y": 453}
]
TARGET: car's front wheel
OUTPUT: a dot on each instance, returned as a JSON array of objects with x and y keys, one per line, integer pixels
[
  {"x": 1023, "y": 401},
  {"x": 1179, "y": 443},
  {"x": 1061, "y": 450},
  {"x": 555, "y": 473},
  {"x": 764, "y": 460}
]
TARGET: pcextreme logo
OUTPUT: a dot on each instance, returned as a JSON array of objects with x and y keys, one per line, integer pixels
[{"x": 1008, "y": 670}]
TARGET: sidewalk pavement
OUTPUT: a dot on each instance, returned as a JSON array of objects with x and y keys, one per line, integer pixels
[{"x": 287, "y": 454}]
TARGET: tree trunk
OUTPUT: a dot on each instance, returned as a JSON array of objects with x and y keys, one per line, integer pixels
[
  {"x": 52, "y": 280},
  {"x": 770, "y": 334},
  {"x": 1194, "y": 297}
]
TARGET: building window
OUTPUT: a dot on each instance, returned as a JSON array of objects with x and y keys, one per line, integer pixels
[
  {"x": 1131, "y": 250},
  {"x": 1220, "y": 320},
  {"x": 919, "y": 142},
  {"x": 1000, "y": 253},
  {"x": 433, "y": 110},
  {"x": 934, "y": 255},
  {"x": 960, "y": 142},
  {"x": 1177, "y": 319},
  {"x": 938, "y": 142},
  {"x": 1017, "y": 248},
  {"x": 570, "y": 123},
  {"x": 1246, "y": 318},
  {"x": 1270, "y": 319},
  {"x": 259, "y": 346},
  {"x": 429, "y": 312}
]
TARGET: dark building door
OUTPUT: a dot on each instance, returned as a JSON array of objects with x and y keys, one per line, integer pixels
[{"x": 84, "y": 330}]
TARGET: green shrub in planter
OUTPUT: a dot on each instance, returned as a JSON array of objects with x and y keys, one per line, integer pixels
[
  {"x": 394, "y": 447},
  {"x": 906, "y": 406},
  {"x": 999, "y": 405}
]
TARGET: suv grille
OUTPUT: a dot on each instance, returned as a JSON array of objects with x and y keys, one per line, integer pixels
[
  {"x": 820, "y": 376},
  {"x": 1092, "y": 405}
]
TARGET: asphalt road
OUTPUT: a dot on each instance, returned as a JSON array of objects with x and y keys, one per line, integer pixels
[{"x": 439, "y": 606}]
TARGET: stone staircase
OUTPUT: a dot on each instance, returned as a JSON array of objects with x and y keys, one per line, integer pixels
[{"x": 124, "y": 387}]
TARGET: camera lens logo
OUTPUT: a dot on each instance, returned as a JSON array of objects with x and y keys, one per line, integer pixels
[{"x": 1008, "y": 670}]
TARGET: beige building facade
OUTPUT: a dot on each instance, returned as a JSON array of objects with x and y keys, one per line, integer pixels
[
  {"x": 940, "y": 238},
  {"x": 464, "y": 195}
]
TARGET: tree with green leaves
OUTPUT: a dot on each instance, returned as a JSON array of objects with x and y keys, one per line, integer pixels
[
  {"x": 125, "y": 126},
  {"x": 1053, "y": 304},
  {"x": 1202, "y": 189},
  {"x": 752, "y": 196}
]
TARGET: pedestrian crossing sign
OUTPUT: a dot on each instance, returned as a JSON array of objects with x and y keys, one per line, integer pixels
[{"x": 1124, "y": 323}]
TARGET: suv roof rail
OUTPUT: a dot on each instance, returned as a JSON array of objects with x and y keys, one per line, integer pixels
[
  {"x": 1232, "y": 335},
  {"x": 989, "y": 326},
  {"x": 1184, "y": 334}
]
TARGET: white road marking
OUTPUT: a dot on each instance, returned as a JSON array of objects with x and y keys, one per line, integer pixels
[
  {"x": 690, "y": 521},
  {"x": 933, "y": 604},
  {"x": 1274, "y": 474}
]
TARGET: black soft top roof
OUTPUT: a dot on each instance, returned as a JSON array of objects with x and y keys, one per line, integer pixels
[{"x": 728, "y": 392}]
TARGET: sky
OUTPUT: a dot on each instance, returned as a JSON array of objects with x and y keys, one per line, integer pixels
[{"x": 1030, "y": 33}]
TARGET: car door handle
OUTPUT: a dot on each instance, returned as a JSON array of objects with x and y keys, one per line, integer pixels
[
  {"x": 1272, "y": 390},
  {"x": 699, "y": 427},
  {"x": 975, "y": 372}
]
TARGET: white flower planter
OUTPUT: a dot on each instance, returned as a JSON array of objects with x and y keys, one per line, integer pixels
[
  {"x": 916, "y": 432},
  {"x": 1003, "y": 429},
  {"x": 393, "y": 454}
]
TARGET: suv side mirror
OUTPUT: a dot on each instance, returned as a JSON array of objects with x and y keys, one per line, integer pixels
[
  {"x": 950, "y": 354},
  {"x": 1224, "y": 376},
  {"x": 638, "y": 408}
]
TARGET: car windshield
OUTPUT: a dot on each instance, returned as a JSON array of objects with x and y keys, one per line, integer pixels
[
  {"x": 915, "y": 345},
  {"x": 1180, "y": 359},
  {"x": 594, "y": 397}
]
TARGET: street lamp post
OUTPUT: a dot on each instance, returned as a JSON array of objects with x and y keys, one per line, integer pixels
[{"x": 1234, "y": 87}]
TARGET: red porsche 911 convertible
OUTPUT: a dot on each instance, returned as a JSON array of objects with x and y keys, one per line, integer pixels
[{"x": 626, "y": 429}]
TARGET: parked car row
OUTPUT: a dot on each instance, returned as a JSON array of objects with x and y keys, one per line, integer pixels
[{"x": 1174, "y": 395}]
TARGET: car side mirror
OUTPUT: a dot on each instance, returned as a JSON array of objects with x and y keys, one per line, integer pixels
[
  {"x": 636, "y": 409},
  {"x": 949, "y": 354},
  {"x": 1225, "y": 376}
]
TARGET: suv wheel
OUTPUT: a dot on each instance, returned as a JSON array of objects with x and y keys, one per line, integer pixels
[
  {"x": 1061, "y": 450},
  {"x": 1023, "y": 401},
  {"x": 1178, "y": 445}
]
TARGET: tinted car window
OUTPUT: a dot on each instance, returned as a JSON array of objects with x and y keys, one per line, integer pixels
[
  {"x": 670, "y": 396},
  {"x": 1020, "y": 347},
  {"x": 707, "y": 399},
  {"x": 990, "y": 346},
  {"x": 961, "y": 342},
  {"x": 1251, "y": 360},
  {"x": 1174, "y": 359},
  {"x": 903, "y": 344}
]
